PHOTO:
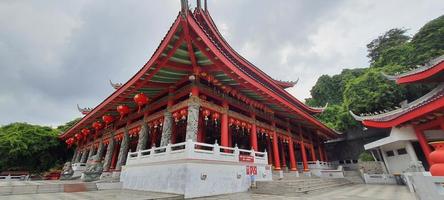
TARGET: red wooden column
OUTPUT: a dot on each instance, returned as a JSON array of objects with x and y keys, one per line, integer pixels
[
  {"x": 224, "y": 126},
  {"x": 325, "y": 153},
  {"x": 424, "y": 145},
  {"x": 321, "y": 154},
  {"x": 277, "y": 164},
  {"x": 253, "y": 134},
  {"x": 269, "y": 151},
  {"x": 303, "y": 152},
  {"x": 312, "y": 151},
  {"x": 282, "y": 149},
  {"x": 292, "y": 156},
  {"x": 115, "y": 154}
]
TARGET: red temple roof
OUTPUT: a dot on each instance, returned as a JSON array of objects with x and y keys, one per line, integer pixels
[
  {"x": 194, "y": 41},
  {"x": 429, "y": 106},
  {"x": 432, "y": 71}
]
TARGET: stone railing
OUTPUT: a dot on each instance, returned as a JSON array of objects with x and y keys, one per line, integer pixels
[
  {"x": 14, "y": 178},
  {"x": 318, "y": 165},
  {"x": 190, "y": 150}
]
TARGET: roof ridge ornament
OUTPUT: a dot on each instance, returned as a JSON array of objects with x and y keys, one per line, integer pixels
[
  {"x": 84, "y": 111},
  {"x": 115, "y": 85},
  {"x": 184, "y": 7}
]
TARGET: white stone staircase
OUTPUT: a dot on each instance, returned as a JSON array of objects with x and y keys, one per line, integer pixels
[
  {"x": 354, "y": 177},
  {"x": 295, "y": 186}
]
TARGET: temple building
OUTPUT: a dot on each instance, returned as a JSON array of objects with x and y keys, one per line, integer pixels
[
  {"x": 415, "y": 126},
  {"x": 198, "y": 116}
]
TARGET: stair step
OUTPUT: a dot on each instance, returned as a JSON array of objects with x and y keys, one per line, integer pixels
[{"x": 298, "y": 186}]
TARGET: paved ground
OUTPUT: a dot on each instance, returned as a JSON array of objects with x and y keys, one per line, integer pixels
[
  {"x": 96, "y": 195},
  {"x": 352, "y": 192}
]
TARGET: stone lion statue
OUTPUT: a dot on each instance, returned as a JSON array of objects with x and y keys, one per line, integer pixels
[
  {"x": 94, "y": 169},
  {"x": 67, "y": 171}
]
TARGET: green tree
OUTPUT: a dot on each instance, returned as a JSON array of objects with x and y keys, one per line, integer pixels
[
  {"x": 391, "y": 39},
  {"x": 32, "y": 147},
  {"x": 428, "y": 43},
  {"x": 329, "y": 89},
  {"x": 372, "y": 92}
]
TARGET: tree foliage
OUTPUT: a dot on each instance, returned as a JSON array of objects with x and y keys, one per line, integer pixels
[
  {"x": 391, "y": 39},
  {"x": 32, "y": 147},
  {"x": 328, "y": 89}
]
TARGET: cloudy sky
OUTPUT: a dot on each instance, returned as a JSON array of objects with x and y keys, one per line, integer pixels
[{"x": 56, "y": 54}]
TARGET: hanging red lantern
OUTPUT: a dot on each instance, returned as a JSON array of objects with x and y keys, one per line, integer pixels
[
  {"x": 215, "y": 116},
  {"x": 155, "y": 124},
  {"x": 243, "y": 124},
  {"x": 237, "y": 123},
  {"x": 249, "y": 127},
  {"x": 70, "y": 141},
  {"x": 123, "y": 110},
  {"x": 97, "y": 125},
  {"x": 176, "y": 117},
  {"x": 107, "y": 119},
  {"x": 78, "y": 136},
  {"x": 85, "y": 132},
  {"x": 231, "y": 122},
  {"x": 140, "y": 100},
  {"x": 184, "y": 113},
  {"x": 206, "y": 113}
]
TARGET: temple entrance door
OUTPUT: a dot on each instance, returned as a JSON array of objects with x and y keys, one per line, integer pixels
[
  {"x": 180, "y": 130},
  {"x": 420, "y": 155},
  {"x": 211, "y": 131},
  {"x": 133, "y": 143}
]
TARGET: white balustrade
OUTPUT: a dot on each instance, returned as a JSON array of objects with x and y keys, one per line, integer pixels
[{"x": 194, "y": 151}]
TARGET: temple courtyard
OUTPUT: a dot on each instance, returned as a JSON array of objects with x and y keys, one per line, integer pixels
[{"x": 349, "y": 192}]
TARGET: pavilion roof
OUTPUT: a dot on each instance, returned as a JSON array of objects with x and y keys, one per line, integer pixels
[
  {"x": 193, "y": 40},
  {"x": 432, "y": 71},
  {"x": 428, "y": 107}
]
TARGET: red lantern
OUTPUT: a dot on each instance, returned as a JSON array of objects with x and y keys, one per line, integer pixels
[
  {"x": 78, "y": 136},
  {"x": 140, "y": 99},
  {"x": 85, "y": 132},
  {"x": 237, "y": 123},
  {"x": 243, "y": 124},
  {"x": 184, "y": 113},
  {"x": 206, "y": 113},
  {"x": 97, "y": 125},
  {"x": 70, "y": 141},
  {"x": 176, "y": 117},
  {"x": 123, "y": 110},
  {"x": 216, "y": 116},
  {"x": 107, "y": 119},
  {"x": 231, "y": 121}
]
